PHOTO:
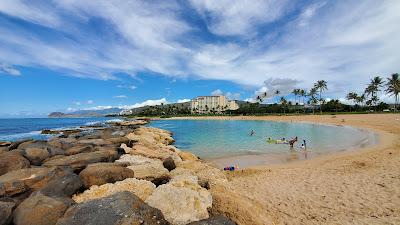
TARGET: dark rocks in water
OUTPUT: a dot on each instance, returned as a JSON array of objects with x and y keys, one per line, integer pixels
[
  {"x": 78, "y": 149},
  {"x": 12, "y": 160},
  {"x": 120, "y": 208},
  {"x": 64, "y": 186},
  {"x": 102, "y": 173},
  {"x": 169, "y": 163},
  {"x": 28, "y": 179},
  {"x": 47, "y": 131},
  {"x": 40, "y": 209},
  {"x": 36, "y": 155},
  {"x": 214, "y": 220},
  {"x": 81, "y": 160},
  {"x": 7, "y": 206}
]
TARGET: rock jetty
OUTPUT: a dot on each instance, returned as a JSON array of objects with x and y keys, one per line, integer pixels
[{"x": 122, "y": 173}]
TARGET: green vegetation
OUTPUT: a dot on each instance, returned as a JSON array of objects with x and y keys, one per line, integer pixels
[{"x": 304, "y": 102}]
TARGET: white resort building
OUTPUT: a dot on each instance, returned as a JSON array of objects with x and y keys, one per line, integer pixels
[{"x": 212, "y": 104}]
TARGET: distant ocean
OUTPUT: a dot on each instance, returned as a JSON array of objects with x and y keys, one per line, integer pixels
[{"x": 22, "y": 128}]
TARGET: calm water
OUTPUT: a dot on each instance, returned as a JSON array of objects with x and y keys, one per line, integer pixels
[
  {"x": 14, "y": 129},
  {"x": 216, "y": 138}
]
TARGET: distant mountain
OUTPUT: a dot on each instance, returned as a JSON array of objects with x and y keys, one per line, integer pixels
[{"x": 86, "y": 113}]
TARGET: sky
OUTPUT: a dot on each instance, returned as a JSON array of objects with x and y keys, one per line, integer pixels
[{"x": 65, "y": 55}]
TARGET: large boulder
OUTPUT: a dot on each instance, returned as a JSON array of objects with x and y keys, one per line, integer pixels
[
  {"x": 97, "y": 141},
  {"x": 120, "y": 208},
  {"x": 40, "y": 209},
  {"x": 6, "y": 208},
  {"x": 102, "y": 173},
  {"x": 187, "y": 156},
  {"x": 214, "y": 220},
  {"x": 206, "y": 173},
  {"x": 4, "y": 143},
  {"x": 81, "y": 160},
  {"x": 52, "y": 149},
  {"x": 141, "y": 188},
  {"x": 36, "y": 155},
  {"x": 64, "y": 186},
  {"x": 146, "y": 168},
  {"x": 15, "y": 144},
  {"x": 29, "y": 179},
  {"x": 3, "y": 149},
  {"x": 156, "y": 151},
  {"x": 78, "y": 149},
  {"x": 182, "y": 200},
  {"x": 12, "y": 160}
]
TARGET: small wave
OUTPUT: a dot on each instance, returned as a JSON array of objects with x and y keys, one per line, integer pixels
[
  {"x": 114, "y": 121},
  {"x": 12, "y": 137},
  {"x": 93, "y": 123}
]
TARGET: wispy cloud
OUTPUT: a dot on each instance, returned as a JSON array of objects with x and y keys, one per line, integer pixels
[
  {"x": 183, "y": 100},
  {"x": 9, "y": 70},
  {"x": 120, "y": 96}
]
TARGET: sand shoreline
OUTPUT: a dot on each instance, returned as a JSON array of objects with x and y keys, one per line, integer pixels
[{"x": 352, "y": 187}]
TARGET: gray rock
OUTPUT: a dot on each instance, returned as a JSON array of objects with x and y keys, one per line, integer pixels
[
  {"x": 102, "y": 173},
  {"x": 12, "y": 160},
  {"x": 15, "y": 144},
  {"x": 214, "y": 220},
  {"x": 169, "y": 163},
  {"x": 36, "y": 155},
  {"x": 64, "y": 186},
  {"x": 6, "y": 209},
  {"x": 81, "y": 160},
  {"x": 40, "y": 209},
  {"x": 120, "y": 208},
  {"x": 28, "y": 179}
]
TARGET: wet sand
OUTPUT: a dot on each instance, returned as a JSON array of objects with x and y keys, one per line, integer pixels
[{"x": 351, "y": 187}]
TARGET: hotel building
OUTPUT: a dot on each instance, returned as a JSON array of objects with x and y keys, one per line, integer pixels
[{"x": 212, "y": 104}]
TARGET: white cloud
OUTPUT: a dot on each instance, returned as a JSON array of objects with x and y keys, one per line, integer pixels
[
  {"x": 217, "y": 92},
  {"x": 132, "y": 87},
  {"x": 183, "y": 100},
  {"x": 150, "y": 102},
  {"x": 90, "y": 102},
  {"x": 120, "y": 96},
  {"x": 76, "y": 103},
  {"x": 99, "y": 107},
  {"x": 9, "y": 70}
]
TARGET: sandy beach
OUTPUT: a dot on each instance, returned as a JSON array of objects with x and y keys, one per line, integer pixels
[{"x": 355, "y": 187}]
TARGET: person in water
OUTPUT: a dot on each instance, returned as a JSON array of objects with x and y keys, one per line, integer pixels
[
  {"x": 252, "y": 133},
  {"x": 291, "y": 142},
  {"x": 304, "y": 145}
]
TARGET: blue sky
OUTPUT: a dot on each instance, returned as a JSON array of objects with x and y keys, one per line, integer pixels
[{"x": 66, "y": 55}]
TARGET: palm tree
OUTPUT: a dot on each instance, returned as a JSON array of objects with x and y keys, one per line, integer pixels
[
  {"x": 313, "y": 98},
  {"x": 283, "y": 102},
  {"x": 361, "y": 99},
  {"x": 321, "y": 86},
  {"x": 393, "y": 88},
  {"x": 303, "y": 94},
  {"x": 372, "y": 90},
  {"x": 277, "y": 92},
  {"x": 352, "y": 96}
]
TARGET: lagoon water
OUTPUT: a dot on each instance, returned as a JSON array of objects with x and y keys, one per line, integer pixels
[{"x": 221, "y": 138}]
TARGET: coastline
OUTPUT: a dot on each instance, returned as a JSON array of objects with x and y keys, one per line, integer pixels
[{"x": 352, "y": 187}]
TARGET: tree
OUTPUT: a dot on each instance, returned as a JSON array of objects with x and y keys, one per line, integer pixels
[
  {"x": 303, "y": 94},
  {"x": 372, "y": 90},
  {"x": 283, "y": 102},
  {"x": 361, "y": 99},
  {"x": 313, "y": 98},
  {"x": 352, "y": 96},
  {"x": 277, "y": 92},
  {"x": 393, "y": 88},
  {"x": 321, "y": 86}
]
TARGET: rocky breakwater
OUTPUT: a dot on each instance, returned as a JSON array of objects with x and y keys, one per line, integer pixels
[{"x": 122, "y": 174}]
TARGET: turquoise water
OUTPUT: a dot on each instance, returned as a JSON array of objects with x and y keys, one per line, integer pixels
[{"x": 217, "y": 138}]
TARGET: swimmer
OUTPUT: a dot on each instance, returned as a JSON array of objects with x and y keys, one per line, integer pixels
[
  {"x": 252, "y": 133},
  {"x": 304, "y": 144}
]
